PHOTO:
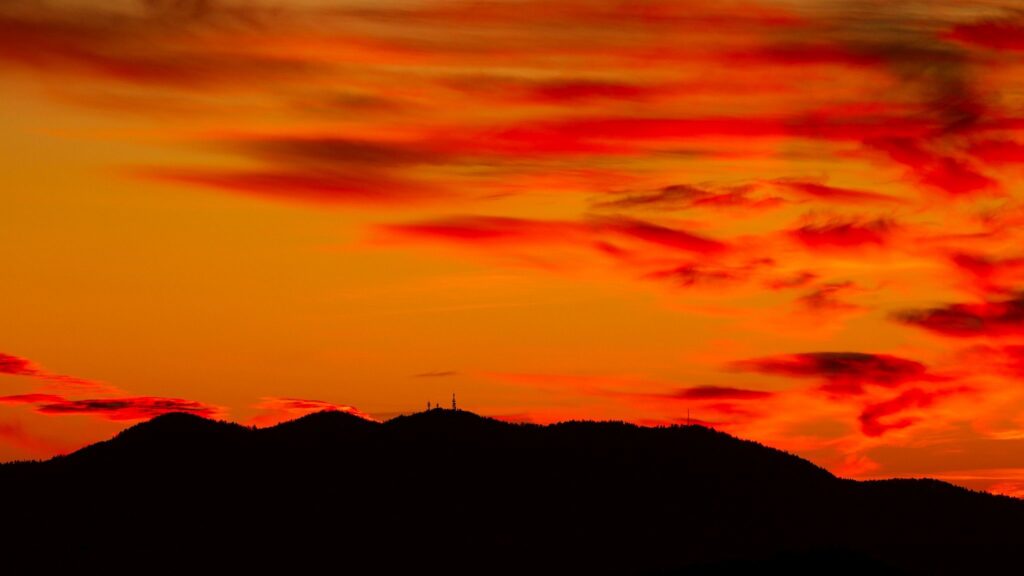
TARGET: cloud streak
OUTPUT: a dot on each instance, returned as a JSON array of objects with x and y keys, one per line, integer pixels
[
  {"x": 878, "y": 418},
  {"x": 843, "y": 373},
  {"x": 118, "y": 409},
  {"x": 843, "y": 235},
  {"x": 991, "y": 318},
  {"x": 274, "y": 410},
  {"x": 17, "y": 366},
  {"x": 481, "y": 230}
]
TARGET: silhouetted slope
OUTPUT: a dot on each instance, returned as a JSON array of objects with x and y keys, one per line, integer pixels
[
  {"x": 314, "y": 436},
  {"x": 170, "y": 439},
  {"x": 452, "y": 491}
]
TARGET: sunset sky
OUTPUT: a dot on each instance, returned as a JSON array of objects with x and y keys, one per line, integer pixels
[{"x": 799, "y": 221}]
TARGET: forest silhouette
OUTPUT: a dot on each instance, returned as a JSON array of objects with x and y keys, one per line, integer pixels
[{"x": 450, "y": 491}]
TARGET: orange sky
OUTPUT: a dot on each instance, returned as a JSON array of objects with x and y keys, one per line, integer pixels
[{"x": 799, "y": 221}]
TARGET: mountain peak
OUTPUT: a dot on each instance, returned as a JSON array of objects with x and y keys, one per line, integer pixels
[{"x": 326, "y": 417}]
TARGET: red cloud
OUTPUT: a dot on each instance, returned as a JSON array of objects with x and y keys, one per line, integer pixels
[
  {"x": 585, "y": 90},
  {"x": 845, "y": 373},
  {"x": 1013, "y": 360},
  {"x": 998, "y": 151},
  {"x": 572, "y": 91},
  {"x": 1007, "y": 35},
  {"x": 16, "y": 366},
  {"x": 871, "y": 423},
  {"x": 945, "y": 173},
  {"x": 136, "y": 47},
  {"x": 137, "y": 408},
  {"x": 315, "y": 186},
  {"x": 332, "y": 152},
  {"x": 984, "y": 267},
  {"x": 816, "y": 191},
  {"x": 472, "y": 229},
  {"x": 476, "y": 229},
  {"x": 707, "y": 273},
  {"x": 828, "y": 296},
  {"x": 990, "y": 275},
  {"x": 803, "y": 55},
  {"x": 739, "y": 198},
  {"x": 719, "y": 393},
  {"x": 694, "y": 274},
  {"x": 797, "y": 280},
  {"x": 673, "y": 197},
  {"x": 625, "y": 135},
  {"x": 436, "y": 374},
  {"x": 667, "y": 237},
  {"x": 683, "y": 196},
  {"x": 843, "y": 235},
  {"x": 987, "y": 318},
  {"x": 30, "y": 399},
  {"x": 275, "y": 410},
  {"x": 1007, "y": 360}
]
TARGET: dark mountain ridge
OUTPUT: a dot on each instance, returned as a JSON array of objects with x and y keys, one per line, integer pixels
[{"x": 452, "y": 491}]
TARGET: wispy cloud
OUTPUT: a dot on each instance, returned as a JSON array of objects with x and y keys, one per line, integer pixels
[
  {"x": 987, "y": 318},
  {"x": 273, "y": 410},
  {"x": 16, "y": 366},
  {"x": 842, "y": 372},
  {"x": 134, "y": 408}
]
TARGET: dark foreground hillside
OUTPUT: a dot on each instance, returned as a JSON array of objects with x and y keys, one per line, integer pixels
[{"x": 451, "y": 492}]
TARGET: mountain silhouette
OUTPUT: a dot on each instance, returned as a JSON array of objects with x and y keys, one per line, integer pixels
[{"x": 454, "y": 492}]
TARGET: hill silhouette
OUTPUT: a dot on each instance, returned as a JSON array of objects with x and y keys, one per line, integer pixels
[{"x": 454, "y": 492}]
